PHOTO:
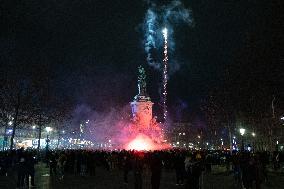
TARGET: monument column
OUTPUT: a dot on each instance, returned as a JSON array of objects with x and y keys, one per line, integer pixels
[{"x": 141, "y": 106}]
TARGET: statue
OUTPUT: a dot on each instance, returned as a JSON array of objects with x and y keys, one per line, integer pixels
[
  {"x": 141, "y": 81},
  {"x": 142, "y": 94}
]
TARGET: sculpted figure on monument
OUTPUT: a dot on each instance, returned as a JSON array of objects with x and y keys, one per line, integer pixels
[{"x": 141, "y": 81}]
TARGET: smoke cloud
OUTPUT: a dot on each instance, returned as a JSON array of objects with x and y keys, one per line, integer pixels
[
  {"x": 100, "y": 126},
  {"x": 157, "y": 17},
  {"x": 116, "y": 126}
]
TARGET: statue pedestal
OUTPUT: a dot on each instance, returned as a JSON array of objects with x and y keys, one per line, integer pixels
[{"x": 142, "y": 111}]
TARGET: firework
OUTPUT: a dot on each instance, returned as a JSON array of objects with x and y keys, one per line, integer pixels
[{"x": 165, "y": 72}]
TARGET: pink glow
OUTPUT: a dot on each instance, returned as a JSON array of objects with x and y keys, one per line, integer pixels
[{"x": 141, "y": 142}]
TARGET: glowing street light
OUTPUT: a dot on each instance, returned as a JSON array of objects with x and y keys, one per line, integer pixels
[
  {"x": 48, "y": 129},
  {"x": 242, "y": 131},
  {"x": 253, "y": 134},
  {"x": 10, "y": 123},
  {"x": 33, "y": 127}
]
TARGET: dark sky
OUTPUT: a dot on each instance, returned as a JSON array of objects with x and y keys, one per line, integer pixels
[{"x": 92, "y": 48}]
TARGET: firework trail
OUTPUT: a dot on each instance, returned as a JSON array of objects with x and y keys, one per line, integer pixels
[
  {"x": 170, "y": 15},
  {"x": 165, "y": 72},
  {"x": 158, "y": 16}
]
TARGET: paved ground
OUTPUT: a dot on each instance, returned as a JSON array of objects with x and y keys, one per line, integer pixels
[{"x": 113, "y": 180}]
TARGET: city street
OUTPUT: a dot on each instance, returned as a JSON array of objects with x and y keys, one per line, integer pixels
[{"x": 218, "y": 179}]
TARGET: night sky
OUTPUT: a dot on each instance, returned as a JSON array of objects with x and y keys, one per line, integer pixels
[{"x": 91, "y": 50}]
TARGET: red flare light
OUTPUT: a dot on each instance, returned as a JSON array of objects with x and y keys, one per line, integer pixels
[{"x": 141, "y": 142}]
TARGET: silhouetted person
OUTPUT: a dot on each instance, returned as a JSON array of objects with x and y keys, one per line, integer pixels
[
  {"x": 52, "y": 165},
  {"x": 126, "y": 165},
  {"x": 61, "y": 165},
  {"x": 30, "y": 164},
  {"x": 193, "y": 171},
  {"x": 156, "y": 169},
  {"x": 179, "y": 169},
  {"x": 22, "y": 172},
  {"x": 138, "y": 170},
  {"x": 248, "y": 172}
]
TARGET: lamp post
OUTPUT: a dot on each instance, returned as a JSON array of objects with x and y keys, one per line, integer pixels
[
  {"x": 48, "y": 129},
  {"x": 242, "y": 132},
  {"x": 254, "y": 141},
  {"x": 178, "y": 138}
]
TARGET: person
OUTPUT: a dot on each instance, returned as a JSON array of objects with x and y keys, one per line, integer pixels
[
  {"x": 91, "y": 162},
  {"x": 30, "y": 164},
  {"x": 196, "y": 173},
  {"x": 53, "y": 163},
  {"x": 22, "y": 172},
  {"x": 61, "y": 165},
  {"x": 138, "y": 170},
  {"x": 259, "y": 176},
  {"x": 248, "y": 171},
  {"x": 83, "y": 164},
  {"x": 156, "y": 169},
  {"x": 193, "y": 171},
  {"x": 188, "y": 164},
  {"x": 276, "y": 159},
  {"x": 208, "y": 161},
  {"x": 126, "y": 165},
  {"x": 228, "y": 163},
  {"x": 179, "y": 168}
]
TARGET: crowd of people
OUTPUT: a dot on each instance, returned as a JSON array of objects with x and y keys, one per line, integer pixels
[
  {"x": 20, "y": 164},
  {"x": 248, "y": 168}
]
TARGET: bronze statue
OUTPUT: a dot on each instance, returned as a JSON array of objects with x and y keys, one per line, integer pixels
[{"x": 141, "y": 81}]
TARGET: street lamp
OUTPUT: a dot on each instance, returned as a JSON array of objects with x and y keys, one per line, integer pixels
[
  {"x": 253, "y": 141},
  {"x": 48, "y": 129},
  {"x": 242, "y": 132},
  {"x": 178, "y": 136}
]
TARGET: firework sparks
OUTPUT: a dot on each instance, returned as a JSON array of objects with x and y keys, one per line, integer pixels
[{"x": 165, "y": 72}]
